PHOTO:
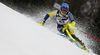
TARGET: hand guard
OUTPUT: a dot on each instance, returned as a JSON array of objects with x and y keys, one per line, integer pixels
[
  {"x": 42, "y": 23},
  {"x": 72, "y": 25}
]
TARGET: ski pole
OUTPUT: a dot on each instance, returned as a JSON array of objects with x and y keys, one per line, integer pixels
[
  {"x": 70, "y": 25},
  {"x": 88, "y": 34}
]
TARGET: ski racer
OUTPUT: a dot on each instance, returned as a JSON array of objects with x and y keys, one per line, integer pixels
[{"x": 63, "y": 18}]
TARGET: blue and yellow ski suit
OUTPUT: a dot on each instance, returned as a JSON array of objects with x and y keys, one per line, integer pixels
[
  {"x": 64, "y": 26},
  {"x": 62, "y": 21}
]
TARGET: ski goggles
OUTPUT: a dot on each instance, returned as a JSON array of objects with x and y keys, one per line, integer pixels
[{"x": 64, "y": 9}]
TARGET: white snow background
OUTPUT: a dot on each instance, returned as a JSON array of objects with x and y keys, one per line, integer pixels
[{"x": 19, "y": 35}]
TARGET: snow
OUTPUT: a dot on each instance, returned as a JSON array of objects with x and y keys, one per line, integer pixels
[{"x": 19, "y": 35}]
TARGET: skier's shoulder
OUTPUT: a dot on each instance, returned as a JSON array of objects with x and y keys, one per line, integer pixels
[
  {"x": 70, "y": 14},
  {"x": 55, "y": 10},
  {"x": 53, "y": 13}
]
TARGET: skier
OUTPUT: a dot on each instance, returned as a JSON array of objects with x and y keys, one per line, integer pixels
[{"x": 63, "y": 18}]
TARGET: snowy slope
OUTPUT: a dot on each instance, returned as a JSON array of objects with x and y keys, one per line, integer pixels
[{"x": 20, "y": 35}]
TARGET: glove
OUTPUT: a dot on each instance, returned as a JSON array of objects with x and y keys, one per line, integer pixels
[
  {"x": 72, "y": 25},
  {"x": 42, "y": 23}
]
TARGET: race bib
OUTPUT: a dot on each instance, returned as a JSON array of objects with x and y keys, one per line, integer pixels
[{"x": 62, "y": 21}]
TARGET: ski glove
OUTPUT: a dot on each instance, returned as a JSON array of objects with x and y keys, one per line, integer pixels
[
  {"x": 42, "y": 23},
  {"x": 72, "y": 25}
]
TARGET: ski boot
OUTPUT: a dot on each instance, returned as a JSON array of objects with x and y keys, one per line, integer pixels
[{"x": 82, "y": 46}]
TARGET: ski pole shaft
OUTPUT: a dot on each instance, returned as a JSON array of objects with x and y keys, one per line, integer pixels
[
  {"x": 84, "y": 32},
  {"x": 92, "y": 36},
  {"x": 81, "y": 31},
  {"x": 89, "y": 35}
]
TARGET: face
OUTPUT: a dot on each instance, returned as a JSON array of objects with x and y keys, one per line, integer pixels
[{"x": 63, "y": 12}]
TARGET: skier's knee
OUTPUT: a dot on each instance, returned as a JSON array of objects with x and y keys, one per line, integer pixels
[{"x": 73, "y": 36}]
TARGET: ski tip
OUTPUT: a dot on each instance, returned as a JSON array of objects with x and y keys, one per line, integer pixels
[{"x": 86, "y": 49}]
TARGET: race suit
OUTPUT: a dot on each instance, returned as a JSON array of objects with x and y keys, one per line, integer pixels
[{"x": 62, "y": 21}]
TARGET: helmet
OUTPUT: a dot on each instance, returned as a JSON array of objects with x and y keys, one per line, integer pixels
[{"x": 65, "y": 6}]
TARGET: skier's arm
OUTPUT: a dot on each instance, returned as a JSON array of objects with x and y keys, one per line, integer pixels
[
  {"x": 72, "y": 25},
  {"x": 71, "y": 18},
  {"x": 47, "y": 16},
  {"x": 50, "y": 14}
]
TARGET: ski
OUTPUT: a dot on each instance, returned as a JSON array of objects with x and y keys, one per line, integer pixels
[
  {"x": 83, "y": 48},
  {"x": 76, "y": 43},
  {"x": 71, "y": 40}
]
